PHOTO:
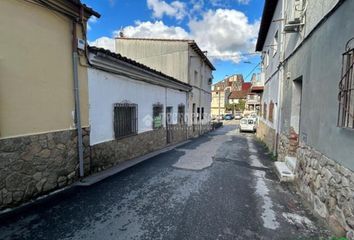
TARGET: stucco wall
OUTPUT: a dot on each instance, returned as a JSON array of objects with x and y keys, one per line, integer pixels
[
  {"x": 106, "y": 89},
  {"x": 319, "y": 63},
  {"x": 168, "y": 57},
  {"x": 36, "y": 82}
]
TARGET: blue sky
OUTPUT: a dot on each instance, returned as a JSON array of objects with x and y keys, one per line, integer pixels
[{"x": 227, "y": 29}]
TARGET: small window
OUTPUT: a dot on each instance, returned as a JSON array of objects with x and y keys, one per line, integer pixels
[
  {"x": 271, "y": 111},
  {"x": 202, "y": 113},
  {"x": 181, "y": 114},
  {"x": 125, "y": 119},
  {"x": 157, "y": 112},
  {"x": 198, "y": 114},
  {"x": 346, "y": 89},
  {"x": 265, "y": 111},
  {"x": 275, "y": 44}
]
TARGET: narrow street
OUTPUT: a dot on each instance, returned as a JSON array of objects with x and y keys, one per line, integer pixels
[{"x": 219, "y": 186}]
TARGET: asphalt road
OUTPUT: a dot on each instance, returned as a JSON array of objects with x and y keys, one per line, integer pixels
[{"x": 219, "y": 186}]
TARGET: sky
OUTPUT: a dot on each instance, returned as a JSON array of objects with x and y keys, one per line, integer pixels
[{"x": 226, "y": 29}]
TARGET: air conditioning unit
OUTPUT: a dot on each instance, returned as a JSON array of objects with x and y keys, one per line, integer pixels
[
  {"x": 294, "y": 20},
  {"x": 296, "y": 12}
]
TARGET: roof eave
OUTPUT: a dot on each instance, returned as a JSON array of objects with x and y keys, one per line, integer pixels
[{"x": 267, "y": 16}]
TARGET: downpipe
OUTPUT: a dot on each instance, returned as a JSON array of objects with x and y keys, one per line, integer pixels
[{"x": 75, "y": 58}]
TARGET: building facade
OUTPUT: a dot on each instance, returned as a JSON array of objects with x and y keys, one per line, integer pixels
[
  {"x": 316, "y": 108},
  {"x": 221, "y": 92},
  {"x": 183, "y": 60},
  {"x": 132, "y": 105},
  {"x": 39, "y": 106}
]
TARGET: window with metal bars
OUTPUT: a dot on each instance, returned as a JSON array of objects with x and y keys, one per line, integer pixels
[
  {"x": 265, "y": 111},
  {"x": 346, "y": 89},
  {"x": 271, "y": 111},
  {"x": 157, "y": 112},
  {"x": 125, "y": 119},
  {"x": 181, "y": 114}
]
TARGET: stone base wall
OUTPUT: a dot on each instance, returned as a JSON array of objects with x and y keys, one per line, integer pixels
[
  {"x": 178, "y": 133},
  {"x": 288, "y": 144},
  {"x": 328, "y": 187},
  {"x": 34, "y": 165},
  {"x": 198, "y": 130},
  {"x": 267, "y": 135},
  {"x": 108, "y": 154}
]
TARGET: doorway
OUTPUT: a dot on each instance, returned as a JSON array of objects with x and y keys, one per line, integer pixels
[{"x": 296, "y": 104}]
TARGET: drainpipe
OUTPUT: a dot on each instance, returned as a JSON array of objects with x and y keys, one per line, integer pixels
[
  {"x": 281, "y": 78},
  {"x": 75, "y": 57}
]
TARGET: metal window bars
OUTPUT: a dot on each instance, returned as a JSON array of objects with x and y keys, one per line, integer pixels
[
  {"x": 181, "y": 114},
  {"x": 125, "y": 119},
  {"x": 157, "y": 111},
  {"x": 346, "y": 89}
]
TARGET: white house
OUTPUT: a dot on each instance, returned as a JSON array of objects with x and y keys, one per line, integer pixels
[
  {"x": 133, "y": 109},
  {"x": 183, "y": 60}
]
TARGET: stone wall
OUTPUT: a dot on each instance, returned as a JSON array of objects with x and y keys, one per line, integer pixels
[
  {"x": 34, "y": 165},
  {"x": 198, "y": 130},
  {"x": 288, "y": 144},
  {"x": 328, "y": 187},
  {"x": 108, "y": 154},
  {"x": 266, "y": 134},
  {"x": 178, "y": 133}
]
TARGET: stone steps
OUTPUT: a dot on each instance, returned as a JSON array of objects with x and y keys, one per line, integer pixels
[{"x": 286, "y": 170}]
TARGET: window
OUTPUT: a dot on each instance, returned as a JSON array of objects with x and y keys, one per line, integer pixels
[
  {"x": 202, "y": 113},
  {"x": 265, "y": 111},
  {"x": 271, "y": 111},
  {"x": 181, "y": 114},
  {"x": 157, "y": 110},
  {"x": 346, "y": 90},
  {"x": 275, "y": 44},
  {"x": 198, "y": 113},
  {"x": 125, "y": 119},
  {"x": 195, "y": 77}
]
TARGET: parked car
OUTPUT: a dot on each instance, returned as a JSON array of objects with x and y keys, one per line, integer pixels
[
  {"x": 238, "y": 115},
  {"x": 254, "y": 116},
  {"x": 228, "y": 117},
  {"x": 248, "y": 125}
]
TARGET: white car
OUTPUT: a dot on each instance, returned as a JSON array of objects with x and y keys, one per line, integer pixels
[{"x": 248, "y": 125}]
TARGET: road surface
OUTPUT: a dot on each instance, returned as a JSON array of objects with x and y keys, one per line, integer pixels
[{"x": 219, "y": 186}]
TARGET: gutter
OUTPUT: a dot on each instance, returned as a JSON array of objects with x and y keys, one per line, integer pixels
[{"x": 75, "y": 57}]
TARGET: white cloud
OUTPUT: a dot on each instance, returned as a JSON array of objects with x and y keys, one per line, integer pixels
[
  {"x": 154, "y": 30},
  {"x": 224, "y": 33},
  {"x": 176, "y": 9},
  {"x": 245, "y": 2},
  {"x": 104, "y": 42}
]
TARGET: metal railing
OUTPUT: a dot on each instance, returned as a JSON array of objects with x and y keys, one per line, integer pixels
[
  {"x": 346, "y": 91},
  {"x": 125, "y": 119}
]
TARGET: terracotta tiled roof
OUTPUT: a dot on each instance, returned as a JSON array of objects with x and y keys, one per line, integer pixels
[
  {"x": 246, "y": 86},
  {"x": 238, "y": 95},
  {"x": 86, "y": 8}
]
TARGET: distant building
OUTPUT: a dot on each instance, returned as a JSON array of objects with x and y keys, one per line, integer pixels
[
  {"x": 183, "y": 60},
  {"x": 221, "y": 92}
]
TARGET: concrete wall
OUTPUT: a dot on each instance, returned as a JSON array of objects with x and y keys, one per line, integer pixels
[
  {"x": 106, "y": 89},
  {"x": 36, "y": 80},
  {"x": 315, "y": 11},
  {"x": 169, "y": 57},
  {"x": 319, "y": 62}
]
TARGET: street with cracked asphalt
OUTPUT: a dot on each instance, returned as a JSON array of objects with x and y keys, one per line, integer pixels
[{"x": 219, "y": 186}]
